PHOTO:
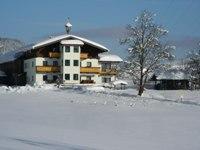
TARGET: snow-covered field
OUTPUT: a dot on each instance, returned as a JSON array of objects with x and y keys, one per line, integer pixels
[{"x": 47, "y": 118}]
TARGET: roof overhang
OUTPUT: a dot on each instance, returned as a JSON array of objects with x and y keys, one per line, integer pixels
[{"x": 65, "y": 37}]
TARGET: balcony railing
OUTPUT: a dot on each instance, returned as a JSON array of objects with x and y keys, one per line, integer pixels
[
  {"x": 83, "y": 55},
  {"x": 90, "y": 70},
  {"x": 87, "y": 82},
  {"x": 54, "y": 54},
  {"x": 109, "y": 71},
  {"x": 47, "y": 69}
]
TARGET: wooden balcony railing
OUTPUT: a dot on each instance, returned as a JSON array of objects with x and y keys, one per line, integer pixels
[
  {"x": 47, "y": 69},
  {"x": 83, "y": 55},
  {"x": 87, "y": 82},
  {"x": 54, "y": 54},
  {"x": 108, "y": 72},
  {"x": 90, "y": 70}
]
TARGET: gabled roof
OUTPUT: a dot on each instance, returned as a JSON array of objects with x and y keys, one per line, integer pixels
[
  {"x": 12, "y": 55},
  {"x": 66, "y": 36}
]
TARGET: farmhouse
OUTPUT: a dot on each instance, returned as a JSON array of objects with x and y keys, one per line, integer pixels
[{"x": 67, "y": 58}]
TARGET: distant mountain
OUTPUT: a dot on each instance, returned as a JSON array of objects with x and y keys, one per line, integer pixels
[{"x": 8, "y": 44}]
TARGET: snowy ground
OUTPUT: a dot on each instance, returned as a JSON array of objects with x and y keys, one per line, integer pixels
[{"x": 47, "y": 118}]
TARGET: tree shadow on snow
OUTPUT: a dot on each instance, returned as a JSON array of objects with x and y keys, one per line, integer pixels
[{"x": 51, "y": 146}]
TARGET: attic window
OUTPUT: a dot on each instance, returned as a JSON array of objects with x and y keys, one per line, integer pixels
[
  {"x": 67, "y": 49},
  {"x": 76, "y": 49}
]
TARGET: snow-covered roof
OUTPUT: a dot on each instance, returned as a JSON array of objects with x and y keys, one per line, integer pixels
[
  {"x": 2, "y": 74},
  {"x": 66, "y": 36},
  {"x": 173, "y": 74},
  {"x": 72, "y": 42},
  {"x": 109, "y": 57},
  {"x": 117, "y": 82},
  {"x": 12, "y": 55}
]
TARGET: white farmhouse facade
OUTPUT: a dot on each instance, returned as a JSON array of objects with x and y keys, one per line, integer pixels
[{"x": 71, "y": 60}]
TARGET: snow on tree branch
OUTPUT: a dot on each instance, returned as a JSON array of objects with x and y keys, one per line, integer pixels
[{"x": 146, "y": 49}]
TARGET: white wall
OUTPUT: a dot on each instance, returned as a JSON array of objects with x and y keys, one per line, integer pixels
[
  {"x": 95, "y": 62},
  {"x": 33, "y": 77},
  {"x": 31, "y": 70},
  {"x": 39, "y": 61},
  {"x": 70, "y": 69}
]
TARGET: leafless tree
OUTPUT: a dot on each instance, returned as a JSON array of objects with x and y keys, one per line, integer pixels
[{"x": 147, "y": 51}]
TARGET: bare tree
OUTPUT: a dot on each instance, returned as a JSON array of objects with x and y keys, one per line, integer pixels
[
  {"x": 193, "y": 67},
  {"x": 147, "y": 51}
]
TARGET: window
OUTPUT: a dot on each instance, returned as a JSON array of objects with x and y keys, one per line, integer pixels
[
  {"x": 76, "y": 62},
  {"x": 55, "y": 78},
  {"x": 67, "y": 49},
  {"x": 75, "y": 76},
  {"x": 67, "y": 76},
  {"x": 67, "y": 62},
  {"x": 89, "y": 64},
  {"x": 55, "y": 63},
  {"x": 76, "y": 49},
  {"x": 32, "y": 63},
  {"x": 45, "y": 63},
  {"x": 45, "y": 78}
]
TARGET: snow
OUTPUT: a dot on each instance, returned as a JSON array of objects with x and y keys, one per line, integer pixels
[
  {"x": 65, "y": 36},
  {"x": 173, "y": 74},
  {"x": 120, "y": 82},
  {"x": 72, "y": 42},
  {"x": 48, "y": 118},
  {"x": 95, "y": 88},
  {"x": 109, "y": 57}
]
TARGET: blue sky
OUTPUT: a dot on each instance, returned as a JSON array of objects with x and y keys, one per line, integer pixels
[{"x": 100, "y": 20}]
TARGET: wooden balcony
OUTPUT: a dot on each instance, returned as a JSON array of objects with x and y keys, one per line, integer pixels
[
  {"x": 54, "y": 54},
  {"x": 83, "y": 55},
  {"x": 87, "y": 82},
  {"x": 95, "y": 70},
  {"x": 47, "y": 69},
  {"x": 108, "y": 72}
]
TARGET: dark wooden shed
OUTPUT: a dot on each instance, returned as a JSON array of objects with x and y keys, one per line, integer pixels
[{"x": 172, "y": 79}]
